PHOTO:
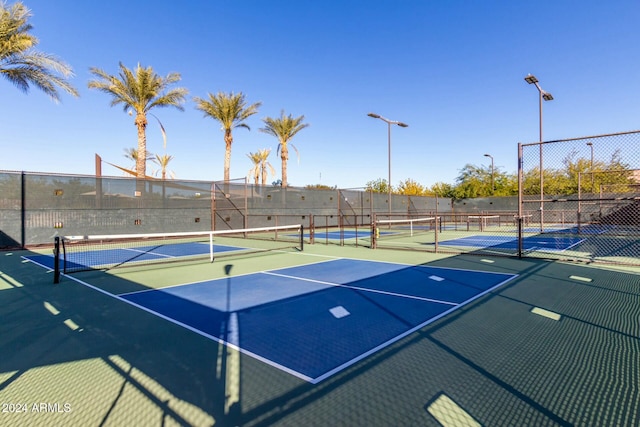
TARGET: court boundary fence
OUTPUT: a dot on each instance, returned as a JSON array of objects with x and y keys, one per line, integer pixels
[
  {"x": 602, "y": 211},
  {"x": 598, "y": 210}
]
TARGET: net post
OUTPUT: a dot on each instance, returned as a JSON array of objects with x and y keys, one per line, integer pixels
[
  {"x": 356, "y": 225},
  {"x": 301, "y": 237},
  {"x": 435, "y": 231},
  {"x": 374, "y": 231},
  {"x": 211, "y": 246},
  {"x": 520, "y": 236},
  {"x": 56, "y": 260}
]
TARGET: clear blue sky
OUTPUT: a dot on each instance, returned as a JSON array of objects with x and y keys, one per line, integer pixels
[{"x": 453, "y": 70}]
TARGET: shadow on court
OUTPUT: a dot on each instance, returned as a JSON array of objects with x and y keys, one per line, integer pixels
[{"x": 113, "y": 362}]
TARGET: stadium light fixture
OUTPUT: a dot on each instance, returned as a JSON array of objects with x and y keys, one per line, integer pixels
[
  {"x": 493, "y": 187},
  {"x": 546, "y": 96},
  {"x": 389, "y": 123}
]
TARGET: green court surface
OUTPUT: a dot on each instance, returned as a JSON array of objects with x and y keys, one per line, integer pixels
[{"x": 557, "y": 345}]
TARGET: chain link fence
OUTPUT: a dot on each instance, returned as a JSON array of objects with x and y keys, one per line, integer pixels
[
  {"x": 585, "y": 206},
  {"x": 36, "y": 207}
]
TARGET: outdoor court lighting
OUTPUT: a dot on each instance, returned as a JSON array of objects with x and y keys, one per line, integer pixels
[
  {"x": 389, "y": 123},
  {"x": 590, "y": 144},
  {"x": 493, "y": 188},
  {"x": 547, "y": 97}
]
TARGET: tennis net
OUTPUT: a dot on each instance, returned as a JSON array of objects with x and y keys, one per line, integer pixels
[
  {"x": 482, "y": 222},
  {"x": 98, "y": 252},
  {"x": 403, "y": 232}
]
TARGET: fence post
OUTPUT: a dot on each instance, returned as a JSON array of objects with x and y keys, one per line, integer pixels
[
  {"x": 374, "y": 231},
  {"x": 520, "y": 181},
  {"x": 56, "y": 260},
  {"x": 23, "y": 212}
]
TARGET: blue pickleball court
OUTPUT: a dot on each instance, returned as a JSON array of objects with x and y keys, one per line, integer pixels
[
  {"x": 538, "y": 242},
  {"x": 345, "y": 234},
  {"x": 92, "y": 259},
  {"x": 316, "y": 320}
]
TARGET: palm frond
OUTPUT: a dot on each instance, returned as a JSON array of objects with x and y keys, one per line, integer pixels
[
  {"x": 140, "y": 89},
  {"x": 21, "y": 64},
  {"x": 231, "y": 109}
]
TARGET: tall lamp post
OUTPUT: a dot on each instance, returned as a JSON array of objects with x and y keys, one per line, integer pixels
[
  {"x": 590, "y": 144},
  {"x": 546, "y": 96},
  {"x": 389, "y": 123},
  {"x": 493, "y": 187}
]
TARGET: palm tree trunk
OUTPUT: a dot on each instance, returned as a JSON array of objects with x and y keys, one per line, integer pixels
[
  {"x": 264, "y": 173},
  {"x": 284, "y": 155},
  {"x": 228, "y": 139},
  {"x": 141, "y": 161}
]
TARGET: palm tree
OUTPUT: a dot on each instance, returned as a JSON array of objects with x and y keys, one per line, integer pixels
[
  {"x": 261, "y": 165},
  {"x": 255, "y": 170},
  {"x": 132, "y": 154},
  {"x": 163, "y": 162},
  {"x": 284, "y": 128},
  {"x": 22, "y": 65},
  {"x": 140, "y": 90},
  {"x": 231, "y": 110}
]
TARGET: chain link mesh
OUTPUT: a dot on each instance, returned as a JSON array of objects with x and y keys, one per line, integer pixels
[{"x": 587, "y": 199}]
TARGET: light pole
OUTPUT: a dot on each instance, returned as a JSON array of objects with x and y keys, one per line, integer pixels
[
  {"x": 389, "y": 123},
  {"x": 493, "y": 187},
  {"x": 547, "y": 97},
  {"x": 590, "y": 144}
]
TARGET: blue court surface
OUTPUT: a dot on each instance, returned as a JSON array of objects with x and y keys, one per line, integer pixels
[
  {"x": 336, "y": 235},
  {"x": 584, "y": 229},
  {"x": 132, "y": 255},
  {"x": 316, "y": 320},
  {"x": 346, "y": 234},
  {"x": 539, "y": 243}
]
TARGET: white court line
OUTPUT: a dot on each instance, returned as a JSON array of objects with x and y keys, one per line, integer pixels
[
  {"x": 233, "y": 275},
  {"x": 284, "y": 368},
  {"x": 406, "y": 333},
  {"x": 148, "y": 252},
  {"x": 193, "y": 329},
  {"x": 321, "y": 282}
]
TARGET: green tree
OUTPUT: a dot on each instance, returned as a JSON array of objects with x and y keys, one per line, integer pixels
[
  {"x": 505, "y": 184},
  {"x": 442, "y": 189},
  {"x": 140, "y": 90},
  {"x": 473, "y": 181},
  {"x": 284, "y": 128},
  {"x": 21, "y": 64},
  {"x": 564, "y": 181},
  {"x": 379, "y": 185},
  {"x": 479, "y": 181},
  {"x": 320, "y": 187},
  {"x": 410, "y": 187},
  {"x": 613, "y": 173},
  {"x": 231, "y": 110}
]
